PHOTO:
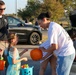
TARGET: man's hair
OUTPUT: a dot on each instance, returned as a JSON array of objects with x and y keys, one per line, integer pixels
[
  {"x": 43, "y": 15},
  {"x": 1, "y": 2}
]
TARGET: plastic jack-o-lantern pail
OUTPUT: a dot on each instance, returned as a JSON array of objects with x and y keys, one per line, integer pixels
[
  {"x": 2, "y": 64},
  {"x": 36, "y": 54}
]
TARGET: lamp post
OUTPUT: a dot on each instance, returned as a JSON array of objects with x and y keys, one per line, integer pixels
[{"x": 16, "y": 7}]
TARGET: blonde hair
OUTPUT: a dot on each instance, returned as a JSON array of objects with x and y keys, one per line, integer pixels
[{"x": 10, "y": 37}]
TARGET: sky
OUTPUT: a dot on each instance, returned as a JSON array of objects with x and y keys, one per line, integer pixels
[{"x": 11, "y": 5}]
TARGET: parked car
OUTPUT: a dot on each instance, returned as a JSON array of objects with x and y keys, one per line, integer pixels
[{"x": 27, "y": 33}]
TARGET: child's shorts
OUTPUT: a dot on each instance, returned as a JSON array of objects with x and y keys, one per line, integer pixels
[{"x": 64, "y": 64}]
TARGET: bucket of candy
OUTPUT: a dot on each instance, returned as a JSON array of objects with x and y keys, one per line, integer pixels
[
  {"x": 26, "y": 70},
  {"x": 2, "y": 64}
]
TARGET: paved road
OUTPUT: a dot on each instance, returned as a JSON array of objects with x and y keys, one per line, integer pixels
[{"x": 36, "y": 64}]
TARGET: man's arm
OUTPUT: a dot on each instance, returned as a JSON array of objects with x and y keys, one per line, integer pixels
[{"x": 50, "y": 50}]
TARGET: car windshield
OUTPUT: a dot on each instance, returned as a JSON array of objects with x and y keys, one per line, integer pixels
[
  {"x": 14, "y": 21},
  {"x": 21, "y": 20}
]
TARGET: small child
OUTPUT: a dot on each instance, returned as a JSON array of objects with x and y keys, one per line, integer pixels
[{"x": 13, "y": 55}]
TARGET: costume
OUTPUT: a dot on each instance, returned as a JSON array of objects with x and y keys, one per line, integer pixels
[{"x": 13, "y": 69}]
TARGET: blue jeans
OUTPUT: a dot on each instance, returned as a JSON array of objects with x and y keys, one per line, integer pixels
[
  {"x": 64, "y": 64},
  {"x": 3, "y": 72}
]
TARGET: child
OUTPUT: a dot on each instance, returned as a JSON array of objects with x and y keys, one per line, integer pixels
[
  {"x": 13, "y": 55},
  {"x": 59, "y": 43},
  {"x": 50, "y": 59}
]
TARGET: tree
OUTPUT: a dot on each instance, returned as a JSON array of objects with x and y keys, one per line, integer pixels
[
  {"x": 31, "y": 10},
  {"x": 68, "y": 5},
  {"x": 54, "y": 7},
  {"x": 35, "y": 7}
]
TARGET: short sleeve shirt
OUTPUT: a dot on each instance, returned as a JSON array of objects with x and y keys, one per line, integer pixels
[{"x": 58, "y": 35}]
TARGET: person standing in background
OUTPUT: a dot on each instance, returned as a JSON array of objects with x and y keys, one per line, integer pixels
[
  {"x": 26, "y": 21},
  {"x": 3, "y": 30},
  {"x": 36, "y": 23}
]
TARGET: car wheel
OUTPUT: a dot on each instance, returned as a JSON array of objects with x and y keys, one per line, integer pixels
[{"x": 34, "y": 38}]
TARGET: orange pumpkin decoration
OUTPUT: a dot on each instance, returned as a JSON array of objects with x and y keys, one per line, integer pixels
[
  {"x": 36, "y": 54},
  {"x": 2, "y": 64}
]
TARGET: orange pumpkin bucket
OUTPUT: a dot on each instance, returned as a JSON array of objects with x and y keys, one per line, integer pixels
[
  {"x": 36, "y": 54},
  {"x": 2, "y": 64}
]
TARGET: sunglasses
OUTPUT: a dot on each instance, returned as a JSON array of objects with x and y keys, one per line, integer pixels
[{"x": 2, "y": 8}]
